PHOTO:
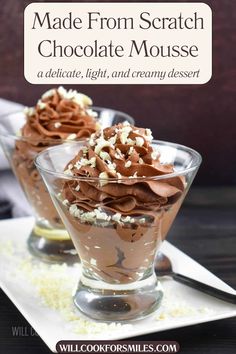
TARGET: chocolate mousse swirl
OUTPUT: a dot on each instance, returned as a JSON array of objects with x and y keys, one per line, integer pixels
[
  {"x": 125, "y": 153},
  {"x": 60, "y": 114}
]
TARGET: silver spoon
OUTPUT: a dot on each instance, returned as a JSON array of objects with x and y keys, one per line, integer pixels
[{"x": 163, "y": 267}]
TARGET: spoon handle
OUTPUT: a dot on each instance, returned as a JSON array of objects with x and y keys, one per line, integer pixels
[{"x": 210, "y": 290}]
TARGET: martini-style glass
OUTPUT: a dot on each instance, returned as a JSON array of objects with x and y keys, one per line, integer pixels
[
  {"x": 49, "y": 240},
  {"x": 117, "y": 252}
]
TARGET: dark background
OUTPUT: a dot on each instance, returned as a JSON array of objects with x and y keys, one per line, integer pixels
[{"x": 201, "y": 116}]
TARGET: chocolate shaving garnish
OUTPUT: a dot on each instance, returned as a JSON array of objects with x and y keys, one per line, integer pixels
[{"x": 131, "y": 195}]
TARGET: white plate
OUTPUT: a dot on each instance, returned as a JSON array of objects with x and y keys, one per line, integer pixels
[{"x": 181, "y": 307}]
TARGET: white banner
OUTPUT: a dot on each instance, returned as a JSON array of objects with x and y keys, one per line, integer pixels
[{"x": 118, "y": 43}]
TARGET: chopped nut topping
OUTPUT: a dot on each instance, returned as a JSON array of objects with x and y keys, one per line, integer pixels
[
  {"x": 119, "y": 175},
  {"x": 91, "y": 113},
  {"x": 68, "y": 172},
  {"x": 155, "y": 154},
  {"x": 130, "y": 141},
  {"x": 65, "y": 202},
  {"x": 139, "y": 141},
  {"x": 86, "y": 162},
  {"x": 116, "y": 217},
  {"x": 105, "y": 156},
  {"x": 73, "y": 208},
  {"x": 117, "y": 156},
  {"x": 29, "y": 111},
  {"x": 113, "y": 139},
  {"x": 128, "y": 164},
  {"x": 126, "y": 129},
  {"x": 57, "y": 125},
  {"x": 41, "y": 105},
  {"x": 71, "y": 137},
  {"x": 79, "y": 98},
  {"x": 135, "y": 175},
  {"x": 149, "y": 136},
  {"x": 123, "y": 137},
  {"x": 140, "y": 161},
  {"x": 104, "y": 178},
  {"x": 111, "y": 166},
  {"x": 48, "y": 94},
  {"x": 101, "y": 143},
  {"x": 131, "y": 150},
  {"x": 85, "y": 149}
]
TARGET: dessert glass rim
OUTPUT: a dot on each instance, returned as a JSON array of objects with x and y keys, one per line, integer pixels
[
  {"x": 196, "y": 157},
  {"x": 33, "y": 141}
]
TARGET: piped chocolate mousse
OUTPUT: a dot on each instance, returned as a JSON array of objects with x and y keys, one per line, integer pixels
[
  {"x": 60, "y": 114},
  {"x": 115, "y": 204}
]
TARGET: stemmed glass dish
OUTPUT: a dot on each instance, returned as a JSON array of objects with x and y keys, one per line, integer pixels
[
  {"x": 49, "y": 239},
  {"x": 117, "y": 250}
]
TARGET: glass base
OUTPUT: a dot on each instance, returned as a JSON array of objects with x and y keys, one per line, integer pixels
[
  {"x": 52, "y": 250},
  {"x": 112, "y": 302}
]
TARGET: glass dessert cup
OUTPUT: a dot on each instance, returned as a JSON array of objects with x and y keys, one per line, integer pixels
[
  {"x": 117, "y": 252},
  {"x": 49, "y": 239}
]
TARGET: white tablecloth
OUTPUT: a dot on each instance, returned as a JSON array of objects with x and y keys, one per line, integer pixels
[{"x": 10, "y": 189}]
